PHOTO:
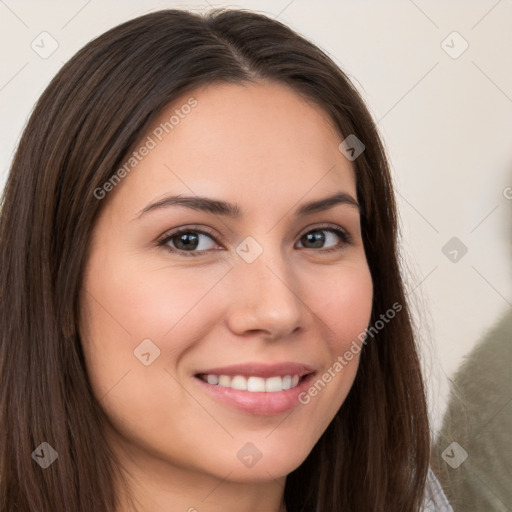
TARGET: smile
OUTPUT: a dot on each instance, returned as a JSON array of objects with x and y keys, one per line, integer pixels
[
  {"x": 253, "y": 384},
  {"x": 255, "y": 388}
]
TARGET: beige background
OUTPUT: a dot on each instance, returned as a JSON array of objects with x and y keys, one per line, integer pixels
[{"x": 446, "y": 121}]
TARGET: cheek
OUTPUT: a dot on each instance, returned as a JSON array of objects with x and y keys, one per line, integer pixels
[
  {"x": 344, "y": 303},
  {"x": 148, "y": 301},
  {"x": 125, "y": 303}
]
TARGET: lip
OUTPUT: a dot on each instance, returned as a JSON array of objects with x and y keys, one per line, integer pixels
[
  {"x": 262, "y": 403},
  {"x": 260, "y": 370}
]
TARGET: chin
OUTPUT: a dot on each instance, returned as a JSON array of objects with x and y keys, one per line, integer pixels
[{"x": 252, "y": 464}]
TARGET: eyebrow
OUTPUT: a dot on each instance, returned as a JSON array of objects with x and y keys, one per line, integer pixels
[{"x": 233, "y": 210}]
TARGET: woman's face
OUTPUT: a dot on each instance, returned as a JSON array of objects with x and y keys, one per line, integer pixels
[{"x": 261, "y": 299}]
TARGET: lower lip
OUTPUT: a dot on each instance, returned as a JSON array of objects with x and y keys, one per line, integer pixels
[{"x": 263, "y": 403}]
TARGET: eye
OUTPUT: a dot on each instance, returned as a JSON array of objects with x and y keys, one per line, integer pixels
[
  {"x": 188, "y": 241},
  {"x": 195, "y": 242},
  {"x": 317, "y": 238}
]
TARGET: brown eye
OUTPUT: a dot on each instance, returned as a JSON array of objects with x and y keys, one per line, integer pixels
[
  {"x": 189, "y": 242},
  {"x": 317, "y": 239},
  {"x": 194, "y": 242}
]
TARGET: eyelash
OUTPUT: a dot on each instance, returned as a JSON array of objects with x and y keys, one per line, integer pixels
[{"x": 162, "y": 241}]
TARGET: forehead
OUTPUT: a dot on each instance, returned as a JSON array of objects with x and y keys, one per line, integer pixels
[{"x": 257, "y": 143}]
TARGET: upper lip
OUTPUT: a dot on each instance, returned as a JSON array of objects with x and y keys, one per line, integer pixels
[{"x": 260, "y": 370}]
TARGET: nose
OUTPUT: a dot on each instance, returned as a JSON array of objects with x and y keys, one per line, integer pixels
[{"x": 265, "y": 297}]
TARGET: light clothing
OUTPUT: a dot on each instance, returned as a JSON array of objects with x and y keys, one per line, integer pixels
[{"x": 435, "y": 499}]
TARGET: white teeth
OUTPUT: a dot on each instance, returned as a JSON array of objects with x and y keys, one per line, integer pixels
[
  {"x": 274, "y": 384},
  {"x": 256, "y": 384},
  {"x": 212, "y": 379},
  {"x": 287, "y": 382},
  {"x": 253, "y": 384},
  {"x": 239, "y": 382},
  {"x": 225, "y": 381}
]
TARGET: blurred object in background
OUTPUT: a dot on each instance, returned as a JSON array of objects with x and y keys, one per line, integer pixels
[{"x": 473, "y": 455}]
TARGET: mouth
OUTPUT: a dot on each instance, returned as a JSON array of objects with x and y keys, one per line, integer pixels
[
  {"x": 255, "y": 388},
  {"x": 253, "y": 384}
]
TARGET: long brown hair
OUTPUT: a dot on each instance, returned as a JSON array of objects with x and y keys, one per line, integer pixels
[{"x": 375, "y": 453}]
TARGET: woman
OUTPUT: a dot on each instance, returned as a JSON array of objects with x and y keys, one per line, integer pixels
[{"x": 201, "y": 301}]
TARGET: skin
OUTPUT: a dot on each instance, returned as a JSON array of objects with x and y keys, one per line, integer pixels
[{"x": 267, "y": 149}]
